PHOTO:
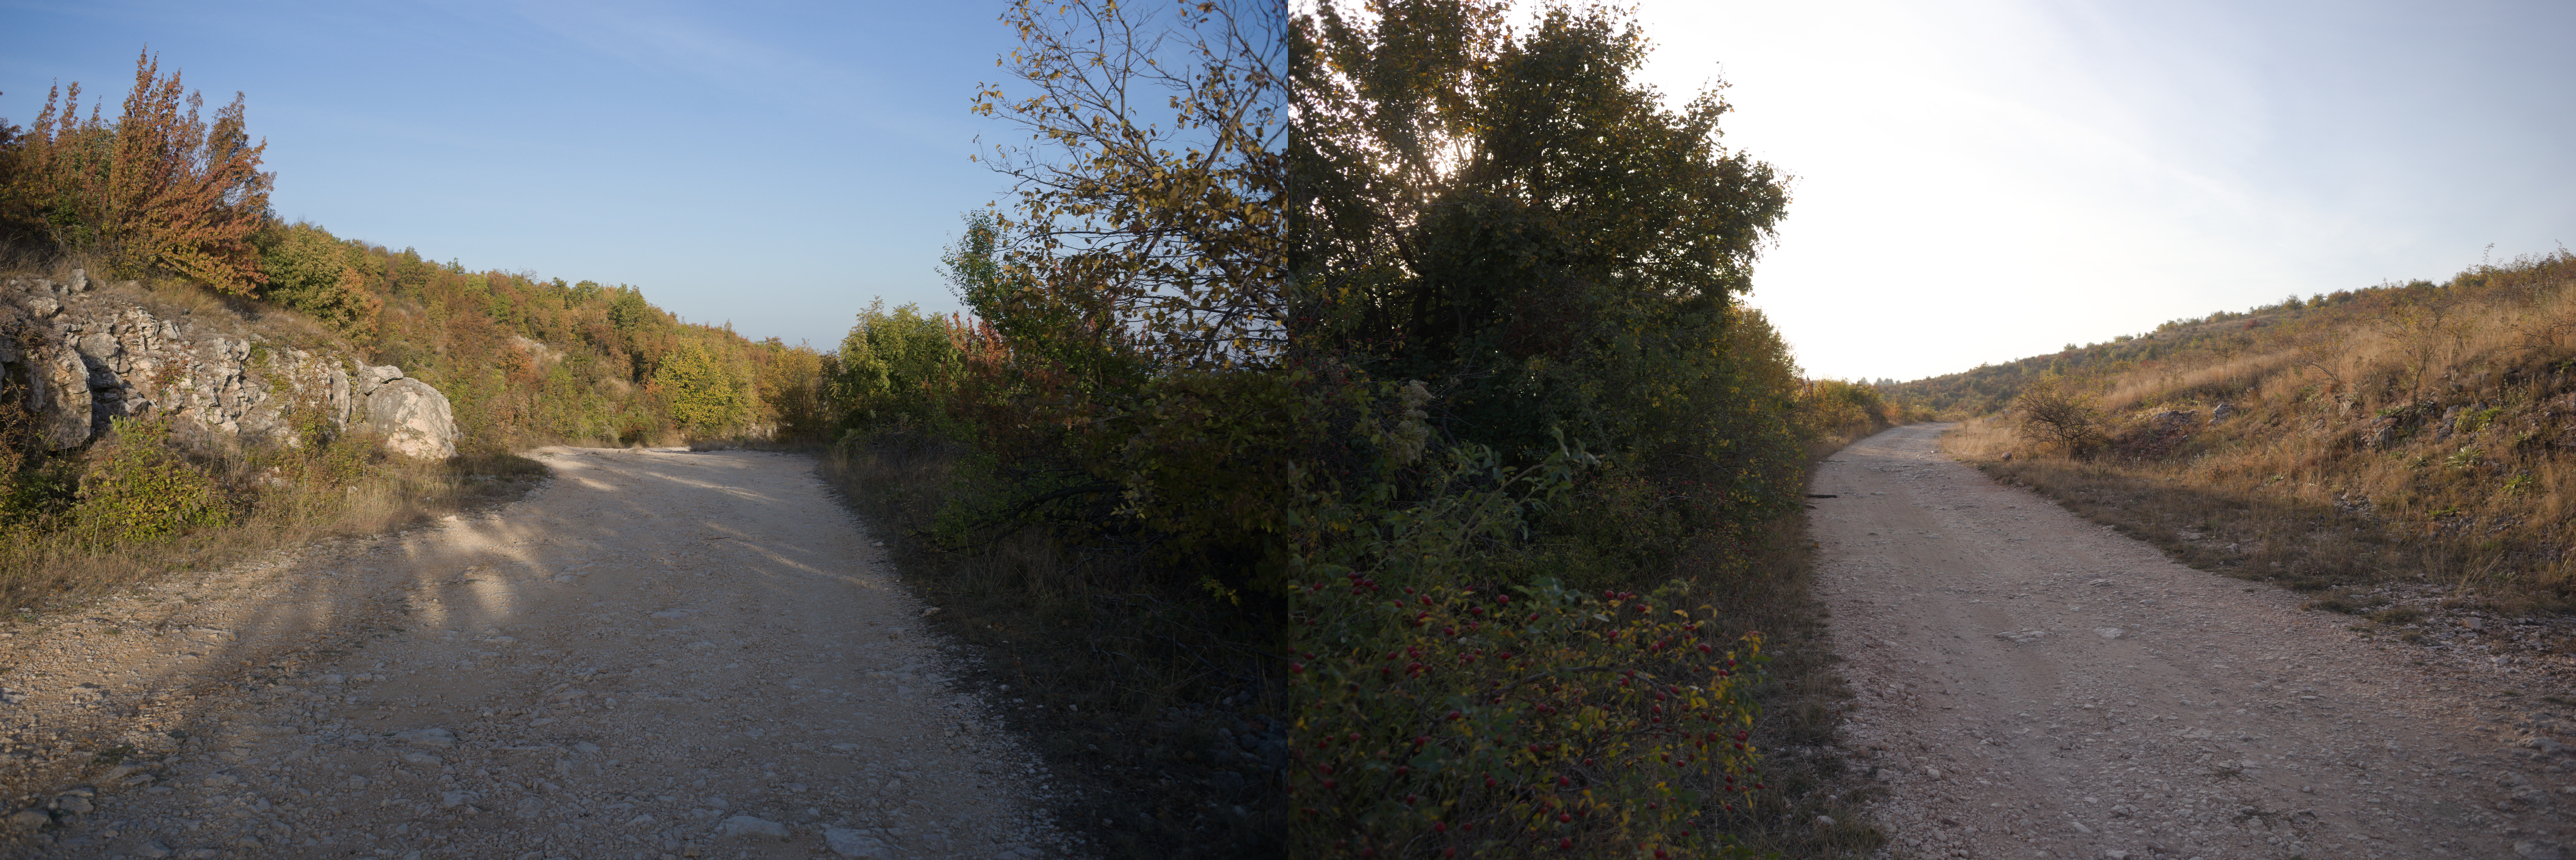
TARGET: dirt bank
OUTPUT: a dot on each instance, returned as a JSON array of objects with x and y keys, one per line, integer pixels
[
  {"x": 2034, "y": 685},
  {"x": 657, "y": 654}
]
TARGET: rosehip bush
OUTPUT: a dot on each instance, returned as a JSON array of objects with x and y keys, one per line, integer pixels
[{"x": 1441, "y": 721}]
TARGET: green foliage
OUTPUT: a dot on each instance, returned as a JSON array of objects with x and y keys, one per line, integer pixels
[
  {"x": 794, "y": 382},
  {"x": 704, "y": 398},
  {"x": 140, "y": 488},
  {"x": 1448, "y": 719},
  {"x": 313, "y": 273},
  {"x": 1502, "y": 243},
  {"x": 1572, "y": 270},
  {"x": 896, "y": 367},
  {"x": 1166, "y": 223}
]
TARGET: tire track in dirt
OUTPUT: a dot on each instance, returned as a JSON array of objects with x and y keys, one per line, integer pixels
[
  {"x": 656, "y": 654},
  {"x": 2035, "y": 685}
]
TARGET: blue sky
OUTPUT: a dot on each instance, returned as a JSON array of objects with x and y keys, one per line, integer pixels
[
  {"x": 1978, "y": 180},
  {"x": 771, "y": 164}
]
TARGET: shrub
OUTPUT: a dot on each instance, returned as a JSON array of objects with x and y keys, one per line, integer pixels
[
  {"x": 2050, "y": 413},
  {"x": 896, "y": 367},
  {"x": 704, "y": 399},
  {"x": 313, "y": 273},
  {"x": 1442, "y": 719},
  {"x": 139, "y": 488}
]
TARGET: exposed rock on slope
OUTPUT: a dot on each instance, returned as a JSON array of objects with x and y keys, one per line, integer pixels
[{"x": 80, "y": 357}]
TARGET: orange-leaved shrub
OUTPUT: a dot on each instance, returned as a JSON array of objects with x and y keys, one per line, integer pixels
[{"x": 158, "y": 189}]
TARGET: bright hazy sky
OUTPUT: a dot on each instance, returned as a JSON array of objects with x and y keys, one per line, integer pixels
[
  {"x": 1978, "y": 180},
  {"x": 1982, "y": 180}
]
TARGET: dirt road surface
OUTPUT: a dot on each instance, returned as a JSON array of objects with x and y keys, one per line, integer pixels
[
  {"x": 655, "y": 654},
  {"x": 2033, "y": 685}
]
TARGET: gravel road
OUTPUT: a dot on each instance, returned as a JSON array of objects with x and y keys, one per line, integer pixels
[
  {"x": 2034, "y": 685},
  {"x": 655, "y": 654}
]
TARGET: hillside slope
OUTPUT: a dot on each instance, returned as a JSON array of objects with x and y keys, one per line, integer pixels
[{"x": 2403, "y": 447}]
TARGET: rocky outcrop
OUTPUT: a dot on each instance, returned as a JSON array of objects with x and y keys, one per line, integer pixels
[
  {"x": 413, "y": 417},
  {"x": 80, "y": 355}
]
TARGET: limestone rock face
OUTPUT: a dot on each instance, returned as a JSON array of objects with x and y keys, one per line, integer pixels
[
  {"x": 413, "y": 418},
  {"x": 79, "y": 355}
]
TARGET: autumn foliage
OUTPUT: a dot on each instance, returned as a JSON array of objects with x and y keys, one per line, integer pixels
[{"x": 159, "y": 189}]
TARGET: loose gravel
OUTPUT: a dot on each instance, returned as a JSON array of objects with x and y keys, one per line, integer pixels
[
  {"x": 656, "y": 654},
  {"x": 2033, "y": 685}
]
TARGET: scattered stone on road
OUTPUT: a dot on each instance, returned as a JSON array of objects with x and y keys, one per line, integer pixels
[
  {"x": 2202, "y": 717},
  {"x": 657, "y": 654}
]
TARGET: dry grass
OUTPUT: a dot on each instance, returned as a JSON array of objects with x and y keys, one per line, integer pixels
[
  {"x": 41, "y": 567},
  {"x": 2258, "y": 532},
  {"x": 2417, "y": 436}
]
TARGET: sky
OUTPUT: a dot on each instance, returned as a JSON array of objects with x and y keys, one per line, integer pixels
[
  {"x": 1975, "y": 180},
  {"x": 772, "y": 165},
  {"x": 1982, "y": 180}
]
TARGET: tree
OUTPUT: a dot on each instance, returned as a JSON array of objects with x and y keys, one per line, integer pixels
[
  {"x": 1515, "y": 219},
  {"x": 705, "y": 399},
  {"x": 791, "y": 384},
  {"x": 160, "y": 189},
  {"x": 1169, "y": 231},
  {"x": 895, "y": 366}
]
